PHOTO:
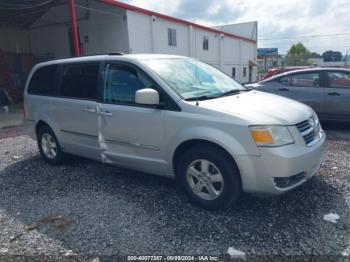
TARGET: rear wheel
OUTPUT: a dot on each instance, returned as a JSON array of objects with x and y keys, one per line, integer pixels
[
  {"x": 209, "y": 177},
  {"x": 49, "y": 147}
]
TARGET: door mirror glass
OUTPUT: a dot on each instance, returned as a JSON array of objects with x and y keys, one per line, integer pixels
[{"x": 147, "y": 96}]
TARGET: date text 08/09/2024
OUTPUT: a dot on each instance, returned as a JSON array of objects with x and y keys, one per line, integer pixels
[{"x": 172, "y": 258}]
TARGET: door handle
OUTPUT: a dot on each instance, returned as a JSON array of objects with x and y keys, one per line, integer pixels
[
  {"x": 105, "y": 113},
  {"x": 333, "y": 94},
  {"x": 283, "y": 89},
  {"x": 90, "y": 110}
]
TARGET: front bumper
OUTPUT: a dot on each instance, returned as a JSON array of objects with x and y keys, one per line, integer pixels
[{"x": 280, "y": 169}]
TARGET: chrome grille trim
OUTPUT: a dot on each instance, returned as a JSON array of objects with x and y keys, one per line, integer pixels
[{"x": 309, "y": 130}]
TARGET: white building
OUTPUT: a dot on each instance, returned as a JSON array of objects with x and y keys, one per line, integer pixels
[
  {"x": 108, "y": 26},
  {"x": 321, "y": 63}
]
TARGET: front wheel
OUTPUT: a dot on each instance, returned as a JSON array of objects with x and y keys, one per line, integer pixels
[
  {"x": 209, "y": 177},
  {"x": 49, "y": 147}
]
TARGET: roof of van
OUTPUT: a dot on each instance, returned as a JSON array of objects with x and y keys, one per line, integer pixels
[{"x": 108, "y": 57}]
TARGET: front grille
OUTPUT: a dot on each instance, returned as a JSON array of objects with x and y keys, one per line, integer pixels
[
  {"x": 309, "y": 138},
  {"x": 303, "y": 126},
  {"x": 309, "y": 130}
]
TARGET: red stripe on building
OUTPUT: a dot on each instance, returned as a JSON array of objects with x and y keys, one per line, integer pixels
[{"x": 173, "y": 19}]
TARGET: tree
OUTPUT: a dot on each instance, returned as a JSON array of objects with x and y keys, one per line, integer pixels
[
  {"x": 298, "y": 55},
  {"x": 315, "y": 55},
  {"x": 332, "y": 56}
]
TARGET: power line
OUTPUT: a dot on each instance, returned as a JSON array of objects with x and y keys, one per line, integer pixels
[
  {"x": 303, "y": 36},
  {"x": 21, "y": 7}
]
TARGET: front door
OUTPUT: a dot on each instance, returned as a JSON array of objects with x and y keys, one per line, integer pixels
[
  {"x": 338, "y": 95},
  {"x": 310, "y": 90},
  {"x": 131, "y": 135},
  {"x": 283, "y": 87}
]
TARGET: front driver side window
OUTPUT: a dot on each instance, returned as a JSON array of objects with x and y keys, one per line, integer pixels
[
  {"x": 122, "y": 82},
  {"x": 306, "y": 80},
  {"x": 287, "y": 80}
]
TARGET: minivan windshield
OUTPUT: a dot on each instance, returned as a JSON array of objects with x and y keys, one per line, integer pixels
[{"x": 193, "y": 79}]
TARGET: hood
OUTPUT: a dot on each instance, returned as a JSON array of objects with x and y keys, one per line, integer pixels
[{"x": 260, "y": 108}]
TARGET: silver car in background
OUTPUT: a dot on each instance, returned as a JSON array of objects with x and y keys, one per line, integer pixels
[
  {"x": 173, "y": 116},
  {"x": 325, "y": 90}
]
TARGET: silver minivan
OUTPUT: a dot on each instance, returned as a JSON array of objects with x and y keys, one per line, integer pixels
[{"x": 173, "y": 116}]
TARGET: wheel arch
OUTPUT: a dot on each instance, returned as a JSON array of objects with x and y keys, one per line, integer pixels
[
  {"x": 40, "y": 124},
  {"x": 186, "y": 145}
]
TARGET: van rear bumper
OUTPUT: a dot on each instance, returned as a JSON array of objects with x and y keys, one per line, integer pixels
[{"x": 280, "y": 169}]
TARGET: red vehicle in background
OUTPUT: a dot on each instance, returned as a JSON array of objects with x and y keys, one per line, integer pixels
[{"x": 278, "y": 70}]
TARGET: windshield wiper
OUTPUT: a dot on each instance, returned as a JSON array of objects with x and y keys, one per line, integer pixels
[
  {"x": 234, "y": 91},
  {"x": 200, "y": 98},
  {"x": 227, "y": 93}
]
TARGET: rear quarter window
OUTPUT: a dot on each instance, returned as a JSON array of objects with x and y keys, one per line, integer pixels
[{"x": 43, "y": 81}]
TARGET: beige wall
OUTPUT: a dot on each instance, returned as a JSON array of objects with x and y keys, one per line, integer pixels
[{"x": 14, "y": 40}]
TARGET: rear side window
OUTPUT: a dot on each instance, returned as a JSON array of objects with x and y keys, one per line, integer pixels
[
  {"x": 339, "y": 79},
  {"x": 80, "y": 81},
  {"x": 43, "y": 81}
]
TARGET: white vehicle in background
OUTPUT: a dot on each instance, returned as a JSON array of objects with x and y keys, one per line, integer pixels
[{"x": 173, "y": 116}]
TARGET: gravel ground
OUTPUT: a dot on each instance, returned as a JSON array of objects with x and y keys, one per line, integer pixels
[{"x": 89, "y": 209}]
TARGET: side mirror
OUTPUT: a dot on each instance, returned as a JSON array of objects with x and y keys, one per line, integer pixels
[{"x": 147, "y": 96}]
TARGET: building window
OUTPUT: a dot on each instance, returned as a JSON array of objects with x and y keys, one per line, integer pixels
[
  {"x": 171, "y": 37},
  {"x": 233, "y": 72},
  {"x": 244, "y": 71},
  {"x": 205, "y": 43}
]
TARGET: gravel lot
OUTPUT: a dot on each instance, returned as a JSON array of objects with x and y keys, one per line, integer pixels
[{"x": 86, "y": 208}]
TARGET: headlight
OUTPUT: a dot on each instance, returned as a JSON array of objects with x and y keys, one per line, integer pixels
[
  {"x": 315, "y": 119},
  {"x": 271, "y": 135}
]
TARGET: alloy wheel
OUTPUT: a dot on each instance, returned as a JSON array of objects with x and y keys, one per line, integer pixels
[
  {"x": 48, "y": 145},
  {"x": 205, "y": 179}
]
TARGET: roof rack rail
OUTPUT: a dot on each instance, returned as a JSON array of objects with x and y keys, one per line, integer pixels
[
  {"x": 116, "y": 53},
  {"x": 85, "y": 55}
]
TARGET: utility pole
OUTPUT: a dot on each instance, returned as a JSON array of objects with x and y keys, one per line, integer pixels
[{"x": 74, "y": 28}]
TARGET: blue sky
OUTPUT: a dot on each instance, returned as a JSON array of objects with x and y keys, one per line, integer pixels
[{"x": 276, "y": 19}]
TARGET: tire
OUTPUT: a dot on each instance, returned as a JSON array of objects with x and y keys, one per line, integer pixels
[
  {"x": 51, "y": 153},
  {"x": 198, "y": 172}
]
